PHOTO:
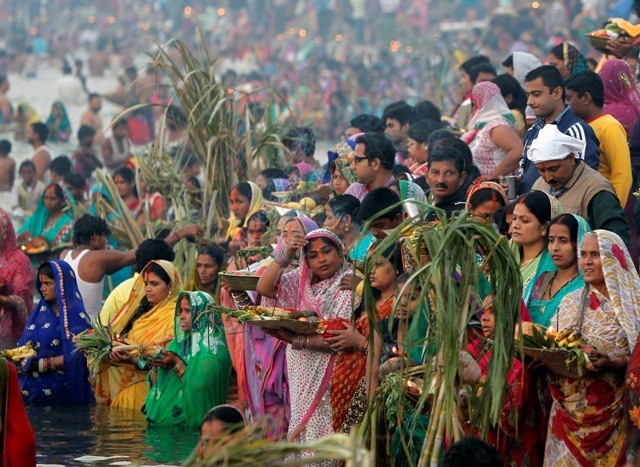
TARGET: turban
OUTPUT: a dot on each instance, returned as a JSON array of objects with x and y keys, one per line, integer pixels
[{"x": 552, "y": 145}]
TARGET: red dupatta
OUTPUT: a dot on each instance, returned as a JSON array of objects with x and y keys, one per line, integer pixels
[{"x": 18, "y": 440}]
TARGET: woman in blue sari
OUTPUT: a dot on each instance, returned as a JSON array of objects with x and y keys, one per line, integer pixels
[
  {"x": 58, "y": 123},
  {"x": 558, "y": 273},
  {"x": 57, "y": 374}
]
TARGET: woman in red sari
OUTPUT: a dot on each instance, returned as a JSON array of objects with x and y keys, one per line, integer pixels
[
  {"x": 16, "y": 285},
  {"x": 18, "y": 443}
]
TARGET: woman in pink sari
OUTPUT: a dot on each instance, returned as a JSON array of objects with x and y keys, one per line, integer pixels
[
  {"x": 16, "y": 285},
  {"x": 621, "y": 93},
  {"x": 315, "y": 286},
  {"x": 265, "y": 356}
]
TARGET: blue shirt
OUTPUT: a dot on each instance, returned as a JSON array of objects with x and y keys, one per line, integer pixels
[{"x": 569, "y": 124}]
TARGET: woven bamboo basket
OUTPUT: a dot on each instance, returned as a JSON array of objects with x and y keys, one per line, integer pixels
[
  {"x": 556, "y": 361},
  {"x": 307, "y": 328},
  {"x": 241, "y": 281}
]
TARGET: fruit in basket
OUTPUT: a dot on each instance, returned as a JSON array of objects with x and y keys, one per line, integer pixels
[{"x": 308, "y": 204}]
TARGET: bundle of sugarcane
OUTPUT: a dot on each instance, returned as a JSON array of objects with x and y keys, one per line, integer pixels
[
  {"x": 212, "y": 120},
  {"x": 121, "y": 224},
  {"x": 248, "y": 447},
  {"x": 18, "y": 353},
  {"x": 97, "y": 343},
  {"x": 445, "y": 277}
]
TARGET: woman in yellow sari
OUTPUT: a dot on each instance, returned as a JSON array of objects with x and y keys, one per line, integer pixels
[{"x": 146, "y": 318}]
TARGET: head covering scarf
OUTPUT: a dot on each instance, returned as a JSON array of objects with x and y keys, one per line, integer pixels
[
  {"x": 342, "y": 154},
  {"x": 573, "y": 60},
  {"x": 160, "y": 317},
  {"x": 523, "y": 63},
  {"x": 552, "y": 145},
  {"x": 281, "y": 184},
  {"x": 489, "y": 105},
  {"x": 235, "y": 224},
  {"x": 16, "y": 280},
  {"x": 411, "y": 190},
  {"x": 622, "y": 281},
  {"x": 172, "y": 401},
  {"x": 65, "y": 125},
  {"x": 29, "y": 114},
  {"x": 52, "y": 336},
  {"x": 305, "y": 277},
  {"x": 304, "y": 169},
  {"x": 485, "y": 186},
  {"x": 621, "y": 93},
  {"x": 541, "y": 313}
]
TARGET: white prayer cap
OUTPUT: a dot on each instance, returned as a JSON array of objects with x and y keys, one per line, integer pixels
[{"x": 553, "y": 145}]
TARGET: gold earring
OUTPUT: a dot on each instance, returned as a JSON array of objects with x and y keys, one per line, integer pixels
[{"x": 346, "y": 228}]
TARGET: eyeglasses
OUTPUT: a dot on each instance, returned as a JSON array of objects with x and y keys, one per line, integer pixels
[
  {"x": 357, "y": 159},
  {"x": 448, "y": 174}
]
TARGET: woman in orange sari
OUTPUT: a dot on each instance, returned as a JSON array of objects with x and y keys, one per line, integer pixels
[
  {"x": 352, "y": 381},
  {"x": 146, "y": 318}
]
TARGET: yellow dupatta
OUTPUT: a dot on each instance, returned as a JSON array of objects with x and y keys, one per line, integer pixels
[
  {"x": 256, "y": 204},
  {"x": 127, "y": 386}
]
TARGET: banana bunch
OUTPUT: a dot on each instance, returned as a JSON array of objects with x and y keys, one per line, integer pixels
[
  {"x": 568, "y": 338},
  {"x": 19, "y": 353}
]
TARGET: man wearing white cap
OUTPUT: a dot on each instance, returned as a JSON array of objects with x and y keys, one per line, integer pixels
[{"x": 580, "y": 189}]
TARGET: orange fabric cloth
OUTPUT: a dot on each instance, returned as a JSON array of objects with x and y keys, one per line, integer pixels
[{"x": 350, "y": 369}]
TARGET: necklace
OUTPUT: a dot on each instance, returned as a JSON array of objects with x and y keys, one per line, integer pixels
[
  {"x": 550, "y": 287},
  {"x": 529, "y": 261}
]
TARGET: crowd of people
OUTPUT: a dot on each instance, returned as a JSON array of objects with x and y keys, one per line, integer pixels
[{"x": 546, "y": 154}]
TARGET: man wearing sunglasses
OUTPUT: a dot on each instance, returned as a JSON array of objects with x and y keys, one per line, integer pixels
[{"x": 373, "y": 160}]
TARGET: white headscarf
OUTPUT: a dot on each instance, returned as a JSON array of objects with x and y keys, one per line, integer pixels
[
  {"x": 523, "y": 63},
  {"x": 553, "y": 145}
]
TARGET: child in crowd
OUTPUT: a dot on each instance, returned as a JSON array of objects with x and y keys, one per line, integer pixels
[{"x": 25, "y": 195}]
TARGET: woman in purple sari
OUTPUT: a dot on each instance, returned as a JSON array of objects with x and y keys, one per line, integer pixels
[
  {"x": 57, "y": 374},
  {"x": 621, "y": 93},
  {"x": 265, "y": 362}
]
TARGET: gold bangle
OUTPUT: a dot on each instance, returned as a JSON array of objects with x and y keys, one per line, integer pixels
[{"x": 180, "y": 368}]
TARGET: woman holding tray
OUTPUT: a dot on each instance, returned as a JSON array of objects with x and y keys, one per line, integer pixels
[
  {"x": 315, "y": 286},
  {"x": 587, "y": 423},
  {"x": 264, "y": 355}
]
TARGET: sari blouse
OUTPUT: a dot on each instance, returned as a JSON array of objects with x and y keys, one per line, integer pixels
[
  {"x": 52, "y": 336},
  {"x": 175, "y": 401}
]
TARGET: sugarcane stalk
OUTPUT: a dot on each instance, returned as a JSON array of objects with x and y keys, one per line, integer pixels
[{"x": 437, "y": 445}]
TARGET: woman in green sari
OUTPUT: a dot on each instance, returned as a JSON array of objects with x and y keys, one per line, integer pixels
[
  {"x": 559, "y": 274},
  {"x": 51, "y": 224},
  {"x": 193, "y": 374}
]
